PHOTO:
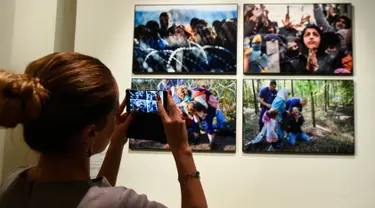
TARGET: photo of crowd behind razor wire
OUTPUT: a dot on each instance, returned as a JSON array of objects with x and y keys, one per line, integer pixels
[
  {"x": 298, "y": 39},
  {"x": 207, "y": 106},
  {"x": 185, "y": 39}
]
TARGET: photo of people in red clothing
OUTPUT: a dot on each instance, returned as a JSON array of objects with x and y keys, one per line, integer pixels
[
  {"x": 298, "y": 116},
  {"x": 298, "y": 39},
  {"x": 207, "y": 106}
]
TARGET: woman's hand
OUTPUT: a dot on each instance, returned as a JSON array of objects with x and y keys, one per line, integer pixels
[
  {"x": 123, "y": 121},
  {"x": 305, "y": 19},
  {"x": 312, "y": 61},
  {"x": 174, "y": 126}
]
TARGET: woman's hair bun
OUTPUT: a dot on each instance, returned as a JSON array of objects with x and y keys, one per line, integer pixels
[{"x": 21, "y": 98}]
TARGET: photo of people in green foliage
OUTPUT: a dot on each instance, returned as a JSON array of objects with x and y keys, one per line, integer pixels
[
  {"x": 298, "y": 116},
  {"x": 208, "y": 107}
]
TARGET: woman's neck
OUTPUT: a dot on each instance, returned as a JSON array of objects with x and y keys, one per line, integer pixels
[{"x": 69, "y": 167}]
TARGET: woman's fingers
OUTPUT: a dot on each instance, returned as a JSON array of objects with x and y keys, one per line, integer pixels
[
  {"x": 173, "y": 112},
  {"x": 163, "y": 114},
  {"x": 127, "y": 119},
  {"x": 121, "y": 108},
  {"x": 122, "y": 118}
]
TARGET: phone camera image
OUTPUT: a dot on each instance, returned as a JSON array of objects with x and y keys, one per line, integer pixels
[
  {"x": 144, "y": 101},
  {"x": 207, "y": 107}
]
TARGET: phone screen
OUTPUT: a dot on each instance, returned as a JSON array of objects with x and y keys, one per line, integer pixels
[{"x": 144, "y": 100}]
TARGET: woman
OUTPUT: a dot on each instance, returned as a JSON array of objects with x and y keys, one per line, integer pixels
[
  {"x": 280, "y": 103},
  {"x": 313, "y": 58},
  {"x": 68, "y": 105}
]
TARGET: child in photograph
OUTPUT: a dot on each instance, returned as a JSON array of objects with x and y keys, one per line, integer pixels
[
  {"x": 295, "y": 131},
  {"x": 205, "y": 96},
  {"x": 202, "y": 94},
  {"x": 265, "y": 98},
  {"x": 265, "y": 120},
  {"x": 184, "y": 94},
  {"x": 271, "y": 128},
  {"x": 200, "y": 112}
]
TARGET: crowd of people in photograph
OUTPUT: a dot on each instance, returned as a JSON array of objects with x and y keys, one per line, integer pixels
[
  {"x": 280, "y": 118},
  {"x": 198, "y": 107},
  {"x": 322, "y": 46},
  {"x": 160, "y": 46}
]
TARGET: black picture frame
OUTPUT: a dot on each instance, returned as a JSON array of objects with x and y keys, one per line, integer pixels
[
  {"x": 227, "y": 58},
  {"x": 297, "y": 69},
  {"x": 334, "y": 117},
  {"x": 224, "y": 126}
]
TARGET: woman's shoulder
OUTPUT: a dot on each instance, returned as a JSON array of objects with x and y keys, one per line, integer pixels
[
  {"x": 101, "y": 193},
  {"x": 12, "y": 176},
  {"x": 116, "y": 197}
]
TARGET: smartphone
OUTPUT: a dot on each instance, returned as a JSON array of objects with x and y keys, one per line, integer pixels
[
  {"x": 145, "y": 101},
  {"x": 147, "y": 123}
]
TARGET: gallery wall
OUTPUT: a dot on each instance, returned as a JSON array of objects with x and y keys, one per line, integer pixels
[{"x": 105, "y": 30}]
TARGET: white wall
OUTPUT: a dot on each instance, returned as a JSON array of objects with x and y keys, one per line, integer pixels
[
  {"x": 105, "y": 30},
  {"x": 6, "y": 33},
  {"x": 34, "y": 29}
]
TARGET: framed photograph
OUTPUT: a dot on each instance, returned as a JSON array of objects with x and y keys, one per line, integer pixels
[
  {"x": 208, "y": 107},
  {"x": 298, "y": 39},
  {"x": 185, "y": 39},
  {"x": 298, "y": 116}
]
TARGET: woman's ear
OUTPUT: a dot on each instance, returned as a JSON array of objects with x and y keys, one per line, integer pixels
[
  {"x": 88, "y": 136},
  {"x": 89, "y": 132}
]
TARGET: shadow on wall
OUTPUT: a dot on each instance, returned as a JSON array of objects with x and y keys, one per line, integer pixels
[
  {"x": 65, "y": 25},
  {"x": 16, "y": 152},
  {"x": 3, "y": 133}
]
